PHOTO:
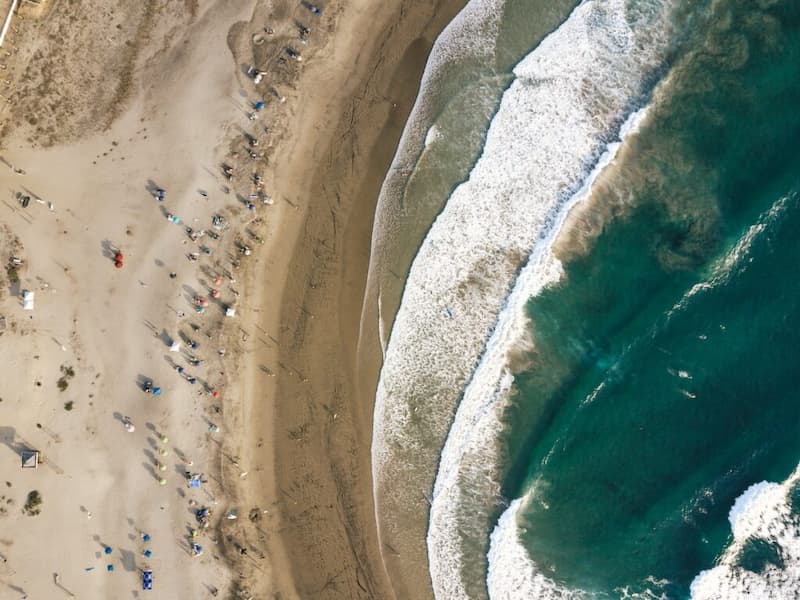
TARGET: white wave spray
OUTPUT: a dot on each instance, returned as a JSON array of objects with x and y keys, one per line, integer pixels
[
  {"x": 551, "y": 129},
  {"x": 470, "y": 456},
  {"x": 762, "y": 512}
]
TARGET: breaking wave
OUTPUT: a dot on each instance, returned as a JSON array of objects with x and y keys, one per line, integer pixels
[
  {"x": 549, "y": 138},
  {"x": 764, "y": 519}
]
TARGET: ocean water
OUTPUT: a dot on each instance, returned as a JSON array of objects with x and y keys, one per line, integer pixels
[{"x": 584, "y": 269}]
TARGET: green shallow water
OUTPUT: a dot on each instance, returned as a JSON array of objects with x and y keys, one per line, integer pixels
[{"x": 664, "y": 378}]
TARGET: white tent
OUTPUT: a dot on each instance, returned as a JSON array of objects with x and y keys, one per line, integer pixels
[
  {"x": 27, "y": 299},
  {"x": 175, "y": 347}
]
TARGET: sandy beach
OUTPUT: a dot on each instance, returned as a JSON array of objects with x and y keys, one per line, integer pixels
[{"x": 105, "y": 105}]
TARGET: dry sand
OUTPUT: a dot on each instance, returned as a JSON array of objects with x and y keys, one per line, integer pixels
[{"x": 107, "y": 100}]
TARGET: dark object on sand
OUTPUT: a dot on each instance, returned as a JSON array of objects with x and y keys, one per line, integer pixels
[{"x": 147, "y": 579}]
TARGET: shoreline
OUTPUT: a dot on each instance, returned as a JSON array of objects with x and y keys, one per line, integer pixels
[{"x": 322, "y": 423}]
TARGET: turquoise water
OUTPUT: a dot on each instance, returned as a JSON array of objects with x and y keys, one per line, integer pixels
[
  {"x": 653, "y": 373},
  {"x": 663, "y": 382}
]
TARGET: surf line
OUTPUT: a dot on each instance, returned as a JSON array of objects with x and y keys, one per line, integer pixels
[{"x": 487, "y": 392}]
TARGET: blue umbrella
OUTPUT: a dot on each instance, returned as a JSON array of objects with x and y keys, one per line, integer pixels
[
  {"x": 146, "y": 537},
  {"x": 259, "y": 105},
  {"x": 156, "y": 391},
  {"x": 148, "y": 553},
  {"x": 110, "y": 568},
  {"x": 108, "y": 550}
]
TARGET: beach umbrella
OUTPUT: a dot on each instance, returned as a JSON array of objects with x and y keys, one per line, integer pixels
[
  {"x": 164, "y": 439},
  {"x": 163, "y": 452},
  {"x": 162, "y": 481},
  {"x": 156, "y": 391},
  {"x": 258, "y": 105},
  {"x": 110, "y": 568},
  {"x": 203, "y": 301},
  {"x": 107, "y": 550},
  {"x": 118, "y": 264},
  {"x": 129, "y": 427},
  {"x": 162, "y": 467},
  {"x": 118, "y": 256},
  {"x": 200, "y": 310},
  {"x": 215, "y": 293},
  {"x": 146, "y": 537},
  {"x": 215, "y": 394},
  {"x": 175, "y": 347},
  {"x": 217, "y": 281},
  {"x": 148, "y": 553}
]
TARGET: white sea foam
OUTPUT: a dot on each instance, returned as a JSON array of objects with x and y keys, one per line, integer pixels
[
  {"x": 512, "y": 575},
  {"x": 551, "y": 129},
  {"x": 762, "y": 511},
  {"x": 467, "y": 485},
  {"x": 471, "y": 36}
]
